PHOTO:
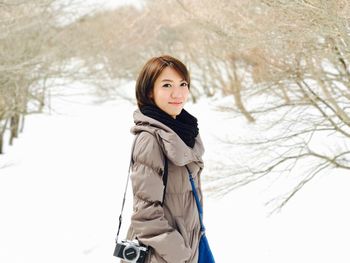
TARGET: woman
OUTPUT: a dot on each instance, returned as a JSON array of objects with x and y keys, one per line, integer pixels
[{"x": 169, "y": 227}]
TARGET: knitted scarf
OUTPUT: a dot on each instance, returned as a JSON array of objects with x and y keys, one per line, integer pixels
[{"x": 185, "y": 125}]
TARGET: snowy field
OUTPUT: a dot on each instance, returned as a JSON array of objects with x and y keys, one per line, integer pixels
[{"x": 61, "y": 194}]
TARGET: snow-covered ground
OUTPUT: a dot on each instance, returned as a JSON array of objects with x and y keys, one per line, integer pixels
[{"x": 61, "y": 194}]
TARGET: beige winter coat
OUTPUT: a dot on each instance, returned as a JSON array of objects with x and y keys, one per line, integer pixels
[{"x": 173, "y": 230}]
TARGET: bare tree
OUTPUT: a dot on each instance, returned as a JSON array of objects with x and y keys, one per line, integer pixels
[
  {"x": 299, "y": 89},
  {"x": 28, "y": 55}
]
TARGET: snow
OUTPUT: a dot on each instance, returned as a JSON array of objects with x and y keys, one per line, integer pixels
[{"x": 61, "y": 193}]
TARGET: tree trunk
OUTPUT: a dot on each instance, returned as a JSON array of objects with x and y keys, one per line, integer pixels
[
  {"x": 1, "y": 143},
  {"x": 14, "y": 121}
]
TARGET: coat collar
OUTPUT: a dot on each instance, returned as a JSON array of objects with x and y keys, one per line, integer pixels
[{"x": 172, "y": 145}]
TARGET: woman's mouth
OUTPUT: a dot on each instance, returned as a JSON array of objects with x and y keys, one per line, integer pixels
[{"x": 175, "y": 103}]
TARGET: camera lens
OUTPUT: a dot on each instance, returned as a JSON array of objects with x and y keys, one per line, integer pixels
[{"x": 130, "y": 253}]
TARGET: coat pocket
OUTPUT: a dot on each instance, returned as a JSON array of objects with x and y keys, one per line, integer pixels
[
  {"x": 194, "y": 238},
  {"x": 180, "y": 226},
  {"x": 153, "y": 257}
]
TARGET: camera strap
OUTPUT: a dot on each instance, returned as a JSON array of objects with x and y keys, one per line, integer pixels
[{"x": 164, "y": 177}]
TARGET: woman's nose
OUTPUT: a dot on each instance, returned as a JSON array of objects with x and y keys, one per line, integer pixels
[{"x": 176, "y": 92}]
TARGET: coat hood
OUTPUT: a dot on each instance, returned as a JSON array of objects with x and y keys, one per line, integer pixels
[{"x": 172, "y": 145}]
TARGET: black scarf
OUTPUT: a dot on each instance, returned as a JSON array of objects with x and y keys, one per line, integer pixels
[{"x": 185, "y": 125}]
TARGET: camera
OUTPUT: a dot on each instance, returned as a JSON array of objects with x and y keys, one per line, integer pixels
[{"x": 131, "y": 251}]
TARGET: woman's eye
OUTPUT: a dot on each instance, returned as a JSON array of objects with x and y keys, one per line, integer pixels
[{"x": 184, "y": 84}]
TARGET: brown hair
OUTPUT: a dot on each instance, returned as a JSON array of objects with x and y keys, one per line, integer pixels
[{"x": 149, "y": 74}]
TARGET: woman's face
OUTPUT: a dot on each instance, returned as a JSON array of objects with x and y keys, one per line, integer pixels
[{"x": 170, "y": 92}]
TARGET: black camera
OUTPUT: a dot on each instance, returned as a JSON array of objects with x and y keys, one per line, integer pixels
[{"x": 131, "y": 251}]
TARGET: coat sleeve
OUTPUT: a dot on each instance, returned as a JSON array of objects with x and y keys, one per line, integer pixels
[{"x": 147, "y": 220}]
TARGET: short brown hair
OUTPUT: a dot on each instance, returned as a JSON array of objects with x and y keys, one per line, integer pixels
[{"x": 151, "y": 71}]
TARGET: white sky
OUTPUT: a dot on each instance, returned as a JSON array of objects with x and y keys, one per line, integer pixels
[
  {"x": 86, "y": 6},
  {"x": 112, "y": 3},
  {"x": 108, "y": 4}
]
